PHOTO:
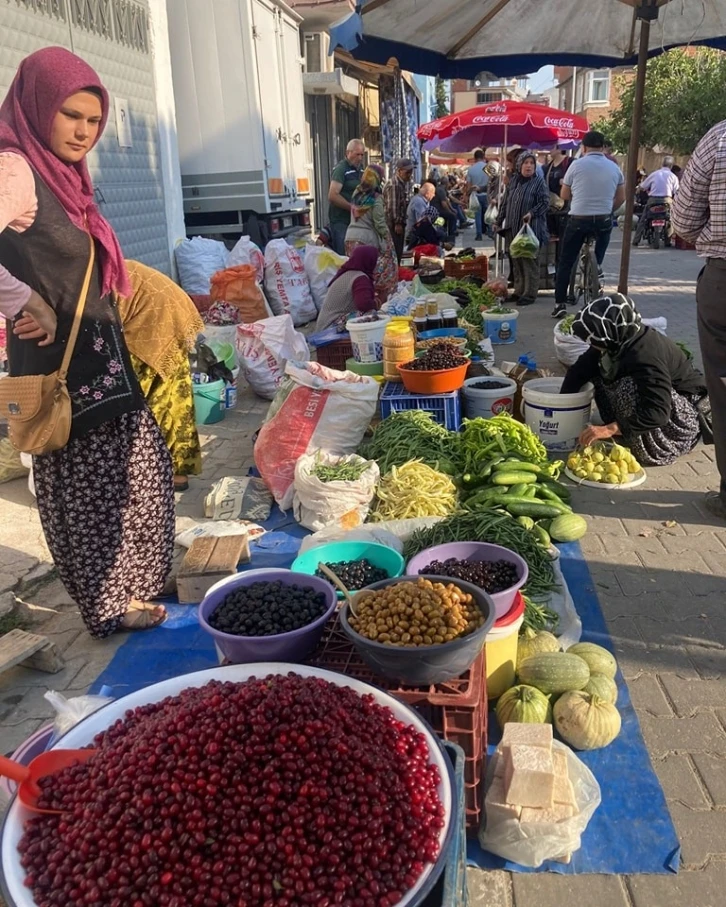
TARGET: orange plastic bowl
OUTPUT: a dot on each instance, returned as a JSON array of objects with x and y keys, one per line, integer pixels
[{"x": 441, "y": 381}]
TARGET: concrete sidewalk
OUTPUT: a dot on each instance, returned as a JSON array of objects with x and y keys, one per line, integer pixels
[{"x": 662, "y": 589}]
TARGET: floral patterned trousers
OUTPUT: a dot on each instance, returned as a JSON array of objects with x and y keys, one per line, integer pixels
[{"x": 106, "y": 504}]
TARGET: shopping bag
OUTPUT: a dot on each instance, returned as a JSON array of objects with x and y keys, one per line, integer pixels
[
  {"x": 525, "y": 244},
  {"x": 474, "y": 203},
  {"x": 491, "y": 214}
]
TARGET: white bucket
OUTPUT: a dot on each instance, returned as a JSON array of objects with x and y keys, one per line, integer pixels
[
  {"x": 230, "y": 391},
  {"x": 557, "y": 419},
  {"x": 500, "y": 328},
  {"x": 366, "y": 338},
  {"x": 488, "y": 402}
]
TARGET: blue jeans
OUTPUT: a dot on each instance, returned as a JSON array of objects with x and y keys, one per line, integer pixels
[
  {"x": 481, "y": 227},
  {"x": 337, "y": 236},
  {"x": 577, "y": 231}
]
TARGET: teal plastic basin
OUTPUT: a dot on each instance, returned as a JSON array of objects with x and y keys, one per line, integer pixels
[{"x": 334, "y": 552}]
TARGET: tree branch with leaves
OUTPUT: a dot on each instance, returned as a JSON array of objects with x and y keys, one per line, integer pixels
[{"x": 685, "y": 95}]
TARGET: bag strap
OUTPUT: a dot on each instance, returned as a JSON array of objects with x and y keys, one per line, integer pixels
[{"x": 73, "y": 336}]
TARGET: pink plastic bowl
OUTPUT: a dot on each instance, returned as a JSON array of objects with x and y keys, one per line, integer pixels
[{"x": 476, "y": 551}]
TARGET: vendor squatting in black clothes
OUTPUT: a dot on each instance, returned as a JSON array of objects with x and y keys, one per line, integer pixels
[{"x": 646, "y": 389}]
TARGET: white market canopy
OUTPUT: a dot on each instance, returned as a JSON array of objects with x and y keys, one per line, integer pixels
[{"x": 462, "y": 38}]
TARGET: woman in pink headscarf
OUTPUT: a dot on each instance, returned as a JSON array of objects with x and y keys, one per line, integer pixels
[{"x": 106, "y": 499}]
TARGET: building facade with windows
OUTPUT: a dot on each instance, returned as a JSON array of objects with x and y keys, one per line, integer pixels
[
  {"x": 466, "y": 93},
  {"x": 591, "y": 93}
]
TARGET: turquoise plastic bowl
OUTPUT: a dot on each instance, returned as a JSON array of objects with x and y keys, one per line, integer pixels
[{"x": 334, "y": 552}]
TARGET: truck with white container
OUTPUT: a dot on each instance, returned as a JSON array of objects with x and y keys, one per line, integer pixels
[{"x": 240, "y": 115}]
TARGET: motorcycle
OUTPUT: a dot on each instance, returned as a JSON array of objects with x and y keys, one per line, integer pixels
[{"x": 657, "y": 225}]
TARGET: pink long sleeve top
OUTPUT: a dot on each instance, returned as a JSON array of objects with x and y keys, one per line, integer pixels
[{"x": 18, "y": 207}]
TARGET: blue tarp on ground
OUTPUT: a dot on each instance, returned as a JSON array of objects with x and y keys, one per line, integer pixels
[{"x": 631, "y": 832}]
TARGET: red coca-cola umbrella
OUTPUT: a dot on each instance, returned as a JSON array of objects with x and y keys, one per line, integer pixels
[{"x": 504, "y": 123}]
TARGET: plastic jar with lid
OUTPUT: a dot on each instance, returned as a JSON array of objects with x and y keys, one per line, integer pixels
[
  {"x": 450, "y": 319},
  {"x": 398, "y": 346}
]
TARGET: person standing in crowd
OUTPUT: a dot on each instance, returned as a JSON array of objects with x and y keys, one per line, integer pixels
[
  {"x": 441, "y": 202},
  {"x": 345, "y": 178},
  {"x": 699, "y": 216},
  {"x": 477, "y": 179},
  {"x": 396, "y": 196},
  {"x": 646, "y": 390},
  {"x": 557, "y": 214},
  {"x": 421, "y": 217},
  {"x": 368, "y": 227},
  {"x": 661, "y": 187},
  {"x": 106, "y": 499},
  {"x": 525, "y": 202},
  {"x": 595, "y": 187}
]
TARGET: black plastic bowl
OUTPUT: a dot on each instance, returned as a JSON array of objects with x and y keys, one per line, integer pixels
[{"x": 424, "y": 665}]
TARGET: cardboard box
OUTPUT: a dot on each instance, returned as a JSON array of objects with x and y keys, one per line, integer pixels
[{"x": 207, "y": 562}]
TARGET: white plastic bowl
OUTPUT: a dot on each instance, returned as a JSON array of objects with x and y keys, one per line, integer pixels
[{"x": 15, "y": 892}]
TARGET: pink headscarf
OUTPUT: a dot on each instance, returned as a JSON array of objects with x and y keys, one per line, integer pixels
[{"x": 43, "y": 82}]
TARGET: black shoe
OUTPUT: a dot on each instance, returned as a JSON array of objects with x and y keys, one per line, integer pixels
[
  {"x": 526, "y": 300},
  {"x": 560, "y": 310},
  {"x": 478, "y": 238}
]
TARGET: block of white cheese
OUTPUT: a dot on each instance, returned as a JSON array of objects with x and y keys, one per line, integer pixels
[
  {"x": 529, "y": 775},
  {"x": 553, "y": 813},
  {"x": 560, "y": 760},
  {"x": 495, "y": 803},
  {"x": 565, "y": 858},
  {"x": 563, "y": 792},
  {"x": 527, "y": 734}
]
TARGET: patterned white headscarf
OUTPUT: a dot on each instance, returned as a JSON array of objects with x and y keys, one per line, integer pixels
[{"x": 610, "y": 322}]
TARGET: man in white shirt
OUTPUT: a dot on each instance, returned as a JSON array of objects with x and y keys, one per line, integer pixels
[
  {"x": 661, "y": 187},
  {"x": 594, "y": 186}
]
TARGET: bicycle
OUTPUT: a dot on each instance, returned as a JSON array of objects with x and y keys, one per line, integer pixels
[{"x": 585, "y": 279}]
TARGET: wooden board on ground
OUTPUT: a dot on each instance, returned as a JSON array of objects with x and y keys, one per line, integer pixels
[
  {"x": 18, "y": 647},
  {"x": 207, "y": 562}
]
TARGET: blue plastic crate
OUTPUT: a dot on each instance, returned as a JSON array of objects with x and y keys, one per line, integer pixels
[
  {"x": 445, "y": 408},
  {"x": 450, "y": 889}
]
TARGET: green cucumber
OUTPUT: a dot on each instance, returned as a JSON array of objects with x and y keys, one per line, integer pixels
[
  {"x": 518, "y": 466},
  {"x": 535, "y": 509},
  {"x": 527, "y": 522},
  {"x": 543, "y": 537},
  {"x": 518, "y": 490},
  {"x": 562, "y": 491},
  {"x": 548, "y": 495},
  {"x": 513, "y": 478}
]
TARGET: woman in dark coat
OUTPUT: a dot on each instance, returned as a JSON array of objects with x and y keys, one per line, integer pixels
[
  {"x": 526, "y": 201},
  {"x": 646, "y": 389}
]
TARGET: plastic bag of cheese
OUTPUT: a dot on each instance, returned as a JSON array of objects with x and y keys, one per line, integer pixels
[{"x": 529, "y": 836}]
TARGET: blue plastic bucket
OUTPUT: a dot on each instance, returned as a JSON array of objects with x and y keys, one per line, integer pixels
[{"x": 209, "y": 402}]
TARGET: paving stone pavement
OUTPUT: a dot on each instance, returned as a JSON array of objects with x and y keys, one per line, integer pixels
[{"x": 662, "y": 589}]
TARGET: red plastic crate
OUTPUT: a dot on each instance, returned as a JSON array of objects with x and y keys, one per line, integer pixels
[
  {"x": 456, "y": 710},
  {"x": 335, "y": 354}
]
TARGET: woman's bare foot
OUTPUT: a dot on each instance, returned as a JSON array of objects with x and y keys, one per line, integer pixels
[{"x": 143, "y": 616}]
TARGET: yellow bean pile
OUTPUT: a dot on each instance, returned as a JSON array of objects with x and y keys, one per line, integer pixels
[
  {"x": 413, "y": 490},
  {"x": 415, "y": 614}
]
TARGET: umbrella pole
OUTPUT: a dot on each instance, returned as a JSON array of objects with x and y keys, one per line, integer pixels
[
  {"x": 634, "y": 145},
  {"x": 500, "y": 195}
]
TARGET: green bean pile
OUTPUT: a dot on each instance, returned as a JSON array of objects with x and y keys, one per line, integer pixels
[
  {"x": 497, "y": 529},
  {"x": 538, "y": 616},
  {"x": 345, "y": 471},
  {"x": 413, "y": 435}
]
